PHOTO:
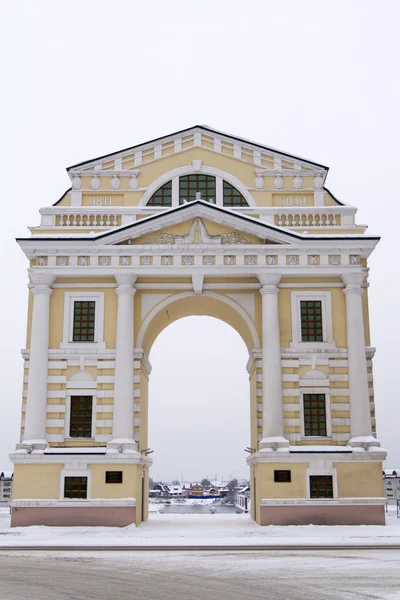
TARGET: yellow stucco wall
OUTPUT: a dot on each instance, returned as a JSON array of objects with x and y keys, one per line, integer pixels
[
  {"x": 359, "y": 479},
  {"x": 36, "y": 481},
  {"x": 127, "y": 489},
  {"x": 268, "y": 489}
]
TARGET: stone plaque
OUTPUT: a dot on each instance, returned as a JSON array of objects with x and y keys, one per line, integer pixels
[
  {"x": 282, "y": 476},
  {"x": 114, "y": 476}
]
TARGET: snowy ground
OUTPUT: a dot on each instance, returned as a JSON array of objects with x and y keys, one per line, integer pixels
[
  {"x": 232, "y": 575},
  {"x": 190, "y": 529}
]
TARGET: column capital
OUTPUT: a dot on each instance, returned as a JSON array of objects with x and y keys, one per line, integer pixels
[
  {"x": 40, "y": 283},
  {"x": 353, "y": 283},
  {"x": 125, "y": 281},
  {"x": 269, "y": 283}
]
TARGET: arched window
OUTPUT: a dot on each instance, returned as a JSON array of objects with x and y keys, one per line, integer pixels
[
  {"x": 189, "y": 185},
  {"x": 163, "y": 196},
  {"x": 204, "y": 187},
  {"x": 232, "y": 196}
]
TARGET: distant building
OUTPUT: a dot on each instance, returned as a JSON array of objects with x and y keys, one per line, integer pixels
[
  {"x": 391, "y": 481},
  {"x": 186, "y": 489},
  {"x": 196, "y": 490},
  {"x": 6, "y": 481},
  {"x": 160, "y": 487}
]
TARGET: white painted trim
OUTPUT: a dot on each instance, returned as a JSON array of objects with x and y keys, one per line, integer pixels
[
  {"x": 92, "y": 456},
  {"x": 75, "y": 473},
  {"x": 322, "y": 471},
  {"x": 205, "y": 170},
  {"x": 161, "y": 305},
  {"x": 310, "y": 285},
  {"x": 326, "y": 308},
  {"x": 316, "y": 390},
  {"x": 65, "y": 503},
  {"x": 69, "y": 299},
  {"x": 84, "y": 285},
  {"x": 327, "y": 501}
]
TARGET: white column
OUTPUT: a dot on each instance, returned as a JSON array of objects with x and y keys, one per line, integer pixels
[
  {"x": 123, "y": 383},
  {"x": 36, "y": 403},
  {"x": 273, "y": 433},
  {"x": 360, "y": 417}
]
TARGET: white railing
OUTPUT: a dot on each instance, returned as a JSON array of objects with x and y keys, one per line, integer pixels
[
  {"x": 110, "y": 217},
  {"x": 307, "y": 216},
  {"x": 294, "y": 219},
  {"x": 88, "y": 219}
]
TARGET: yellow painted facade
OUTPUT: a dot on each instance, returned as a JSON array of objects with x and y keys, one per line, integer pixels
[{"x": 144, "y": 266}]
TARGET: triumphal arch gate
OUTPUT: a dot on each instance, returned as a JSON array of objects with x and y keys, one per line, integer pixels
[{"x": 198, "y": 222}]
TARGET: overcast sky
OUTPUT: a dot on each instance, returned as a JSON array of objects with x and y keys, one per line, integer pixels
[{"x": 318, "y": 79}]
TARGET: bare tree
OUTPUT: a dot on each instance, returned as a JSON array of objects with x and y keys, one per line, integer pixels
[
  {"x": 206, "y": 483},
  {"x": 231, "y": 485}
]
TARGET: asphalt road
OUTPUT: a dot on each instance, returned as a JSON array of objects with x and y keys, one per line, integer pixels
[{"x": 331, "y": 575}]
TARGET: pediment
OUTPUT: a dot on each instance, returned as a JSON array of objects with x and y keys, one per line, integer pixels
[
  {"x": 198, "y": 223},
  {"x": 196, "y": 231},
  {"x": 199, "y": 136}
]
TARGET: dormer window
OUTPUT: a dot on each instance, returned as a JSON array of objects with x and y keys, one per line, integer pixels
[{"x": 188, "y": 188}]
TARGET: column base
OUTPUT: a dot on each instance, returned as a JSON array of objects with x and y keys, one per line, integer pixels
[
  {"x": 366, "y": 442},
  {"x": 32, "y": 446},
  {"x": 273, "y": 443},
  {"x": 121, "y": 445}
]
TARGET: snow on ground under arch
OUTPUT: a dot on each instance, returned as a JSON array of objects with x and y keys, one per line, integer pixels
[{"x": 208, "y": 529}]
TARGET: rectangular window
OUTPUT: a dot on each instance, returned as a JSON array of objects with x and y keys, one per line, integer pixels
[
  {"x": 84, "y": 315},
  {"x": 311, "y": 320},
  {"x": 321, "y": 486},
  {"x": 75, "y": 487},
  {"x": 80, "y": 424},
  {"x": 314, "y": 407}
]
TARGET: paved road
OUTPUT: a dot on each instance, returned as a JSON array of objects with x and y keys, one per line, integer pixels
[{"x": 338, "y": 575}]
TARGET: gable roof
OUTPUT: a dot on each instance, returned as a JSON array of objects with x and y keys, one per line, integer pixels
[{"x": 206, "y": 129}]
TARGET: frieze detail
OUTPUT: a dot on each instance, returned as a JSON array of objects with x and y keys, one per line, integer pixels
[{"x": 198, "y": 234}]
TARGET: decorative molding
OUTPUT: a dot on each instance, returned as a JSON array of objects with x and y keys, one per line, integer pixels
[
  {"x": 245, "y": 316},
  {"x": 198, "y": 234}
]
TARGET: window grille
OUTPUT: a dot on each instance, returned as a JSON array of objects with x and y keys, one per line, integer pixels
[
  {"x": 75, "y": 487},
  {"x": 81, "y": 416},
  {"x": 163, "y": 196},
  {"x": 314, "y": 407},
  {"x": 232, "y": 196},
  {"x": 311, "y": 321},
  {"x": 321, "y": 486},
  {"x": 84, "y": 319}
]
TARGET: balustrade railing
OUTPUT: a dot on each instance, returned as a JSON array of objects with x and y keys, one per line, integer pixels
[
  {"x": 309, "y": 219},
  {"x": 110, "y": 217},
  {"x": 89, "y": 219}
]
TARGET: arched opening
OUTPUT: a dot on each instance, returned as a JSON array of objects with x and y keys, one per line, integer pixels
[
  {"x": 198, "y": 186},
  {"x": 199, "y": 402}
]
